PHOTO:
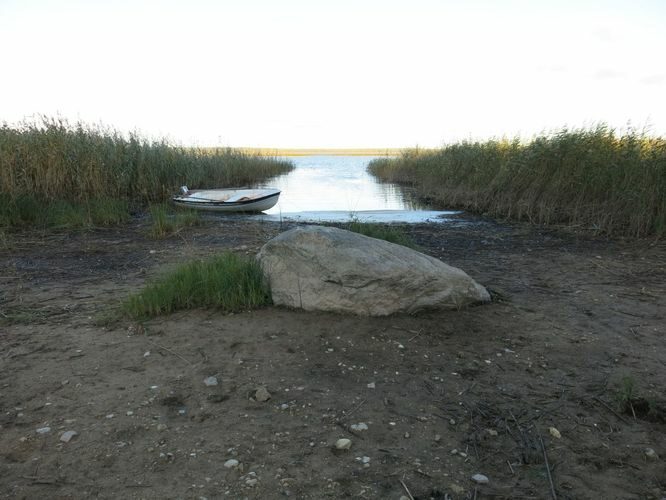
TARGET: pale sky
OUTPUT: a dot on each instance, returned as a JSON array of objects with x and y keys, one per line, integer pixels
[{"x": 342, "y": 73}]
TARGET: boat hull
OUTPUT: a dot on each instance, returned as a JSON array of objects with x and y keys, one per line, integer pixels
[{"x": 229, "y": 200}]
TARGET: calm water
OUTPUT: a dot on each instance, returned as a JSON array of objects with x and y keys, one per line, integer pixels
[{"x": 337, "y": 188}]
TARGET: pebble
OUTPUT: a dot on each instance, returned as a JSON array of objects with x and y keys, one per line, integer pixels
[
  {"x": 359, "y": 427},
  {"x": 251, "y": 482},
  {"x": 43, "y": 430},
  {"x": 210, "y": 381},
  {"x": 67, "y": 436},
  {"x": 262, "y": 394},
  {"x": 406, "y": 435},
  {"x": 651, "y": 454},
  {"x": 365, "y": 460},
  {"x": 457, "y": 489},
  {"x": 480, "y": 478},
  {"x": 554, "y": 432},
  {"x": 492, "y": 432},
  {"x": 438, "y": 438},
  {"x": 161, "y": 427},
  {"x": 231, "y": 463},
  {"x": 343, "y": 444},
  {"x": 371, "y": 385}
]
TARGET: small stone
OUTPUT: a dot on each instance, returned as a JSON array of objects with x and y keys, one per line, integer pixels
[
  {"x": 110, "y": 415},
  {"x": 438, "y": 438},
  {"x": 161, "y": 427},
  {"x": 403, "y": 497},
  {"x": 555, "y": 433},
  {"x": 129, "y": 413},
  {"x": 650, "y": 454},
  {"x": 251, "y": 482},
  {"x": 365, "y": 460},
  {"x": 146, "y": 354},
  {"x": 492, "y": 432},
  {"x": 359, "y": 427},
  {"x": 261, "y": 394},
  {"x": 67, "y": 436},
  {"x": 371, "y": 385},
  {"x": 217, "y": 398},
  {"x": 406, "y": 435},
  {"x": 480, "y": 478},
  {"x": 457, "y": 489},
  {"x": 210, "y": 381},
  {"x": 43, "y": 430},
  {"x": 452, "y": 421},
  {"x": 343, "y": 444},
  {"x": 231, "y": 463}
]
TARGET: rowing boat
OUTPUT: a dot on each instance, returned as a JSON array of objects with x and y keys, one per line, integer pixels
[{"x": 228, "y": 200}]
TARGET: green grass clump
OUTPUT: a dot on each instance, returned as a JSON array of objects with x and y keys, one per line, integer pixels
[
  {"x": 51, "y": 161},
  {"x": 165, "y": 222},
  {"x": 228, "y": 282},
  {"x": 27, "y": 211},
  {"x": 386, "y": 232},
  {"x": 590, "y": 179}
]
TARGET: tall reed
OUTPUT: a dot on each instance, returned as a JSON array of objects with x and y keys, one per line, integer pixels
[
  {"x": 51, "y": 159},
  {"x": 587, "y": 178}
]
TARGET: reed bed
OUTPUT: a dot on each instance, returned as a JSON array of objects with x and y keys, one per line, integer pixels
[
  {"x": 583, "y": 178},
  {"x": 52, "y": 161}
]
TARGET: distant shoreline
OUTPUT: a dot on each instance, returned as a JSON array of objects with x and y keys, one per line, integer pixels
[{"x": 322, "y": 151}]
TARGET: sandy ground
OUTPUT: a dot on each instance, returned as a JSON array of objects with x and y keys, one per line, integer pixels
[{"x": 444, "y": 396}]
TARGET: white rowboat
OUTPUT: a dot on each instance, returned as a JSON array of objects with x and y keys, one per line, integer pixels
[{"x": 228, "y": 200}]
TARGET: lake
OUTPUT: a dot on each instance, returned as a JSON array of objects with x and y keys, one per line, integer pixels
[{"x": 338, "y": 188}]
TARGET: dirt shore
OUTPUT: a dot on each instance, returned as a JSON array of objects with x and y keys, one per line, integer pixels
[{"x": 577, "y": 328}]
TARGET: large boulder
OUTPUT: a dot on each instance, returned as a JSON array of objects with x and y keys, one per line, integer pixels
[{"x": 330, "y": 269}]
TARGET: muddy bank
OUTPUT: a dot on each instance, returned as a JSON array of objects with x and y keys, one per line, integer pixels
[{"x": 576, "y": 329}]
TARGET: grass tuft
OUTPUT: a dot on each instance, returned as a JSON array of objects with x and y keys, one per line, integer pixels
[
  {"x": 227, "y": 282},
  {"x": 587, "y": 179},
  {"x": 390, "y": 233},
  {"x": 166, "y": 222}
]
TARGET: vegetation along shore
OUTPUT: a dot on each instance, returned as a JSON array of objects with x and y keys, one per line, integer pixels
[
  {"x": 53, "y": 173},
  {"x": 584, "y": 178}
]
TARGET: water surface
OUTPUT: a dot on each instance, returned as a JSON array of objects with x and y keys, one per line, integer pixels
[{"x": 338, "y": 188}]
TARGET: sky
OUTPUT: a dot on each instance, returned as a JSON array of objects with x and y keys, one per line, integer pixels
[{"x": 343, "y": 73}]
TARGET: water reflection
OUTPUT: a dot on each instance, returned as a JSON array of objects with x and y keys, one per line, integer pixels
[{"x": 335, "y": 188}]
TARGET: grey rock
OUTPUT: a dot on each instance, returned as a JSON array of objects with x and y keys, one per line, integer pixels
[
  {"x": 231, "y": 463},
  {"x": 480, "y": 478},
  {"x": 43, "y": 430},
  {"x": 343, "y": 444},
  {"x": 359, "y": 427},
  {"x": 261, "y": 394},
  {"x": 650, "y": 454},
  {"x": 67, "y": 436},
  {"x": 210, "y": 381},
  {"x": 330, "y": 269}
]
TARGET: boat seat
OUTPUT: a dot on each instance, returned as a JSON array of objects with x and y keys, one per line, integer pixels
[{"x": 238, "y": 197}]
